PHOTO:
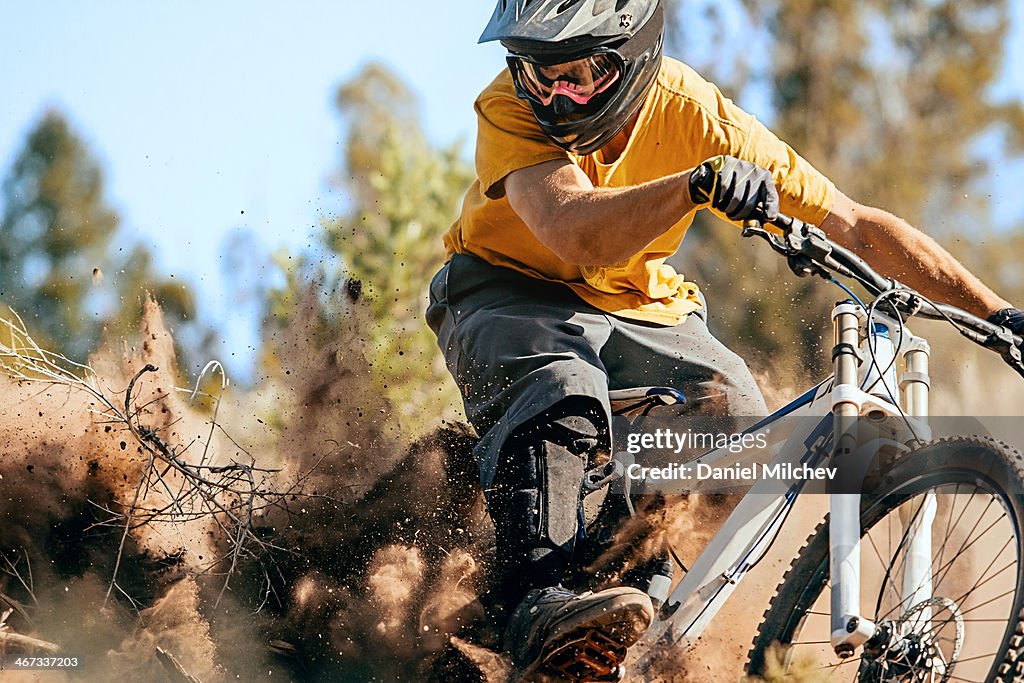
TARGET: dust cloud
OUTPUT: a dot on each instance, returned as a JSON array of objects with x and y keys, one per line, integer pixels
[{"x": 364, "y": 557}]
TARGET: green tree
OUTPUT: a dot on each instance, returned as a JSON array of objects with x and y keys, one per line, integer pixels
[
  {"x": 404, "y": 194},
  {"x": 892, "y": 100},
  {"x": 59, "y": 267},
  {"x": 54, "y": 233}
]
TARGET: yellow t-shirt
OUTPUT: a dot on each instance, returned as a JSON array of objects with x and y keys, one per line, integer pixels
[{"x": 684, "y": 121}]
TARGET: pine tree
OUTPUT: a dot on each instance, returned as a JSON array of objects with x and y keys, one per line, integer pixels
[
  {"x": 54, "y": 235},
  {"x": 59, "y": 266}
]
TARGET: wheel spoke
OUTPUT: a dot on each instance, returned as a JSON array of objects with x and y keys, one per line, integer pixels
[
  {"x": 982, "y": 583},
  {"x": 987, "y": 602},
  {"x": 889, "y": 583},
  {"x": 967, "y": 539},
  {"x": 945, "y": 568},
  {"x": 949, "y": 520},
  {"x": 888, "y": 578},
  {"x": 976, "y": 657},
  {"x": 836, "y": 665}
]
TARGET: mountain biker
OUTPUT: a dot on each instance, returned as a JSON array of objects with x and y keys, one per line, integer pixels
[{"x": 556, "y": 289}]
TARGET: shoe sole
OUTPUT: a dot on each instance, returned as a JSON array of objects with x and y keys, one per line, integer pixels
[{"x": 621, "y": 618}]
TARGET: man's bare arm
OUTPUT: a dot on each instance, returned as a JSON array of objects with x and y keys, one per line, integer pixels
[
  {"x": 584, "y": 225},
  {"x": 896, "y": 249}
]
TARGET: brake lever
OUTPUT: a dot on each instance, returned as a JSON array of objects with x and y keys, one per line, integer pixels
[
  {"x": 808, "y": 240},
  {"x": 1004, "y": 342},
  {"x": 754, "y": 228},
  {"x": 804, "y": 246}
]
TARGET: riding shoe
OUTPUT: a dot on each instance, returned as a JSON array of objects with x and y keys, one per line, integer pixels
[{"x": 557, "y": 635}]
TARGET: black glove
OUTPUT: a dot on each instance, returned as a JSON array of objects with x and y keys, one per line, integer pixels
[
  {"x": 1010, "y": 318},
  {"x": 739, "y": 189}
]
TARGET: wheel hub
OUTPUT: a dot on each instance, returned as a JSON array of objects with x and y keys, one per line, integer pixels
[{"x": 906, "y": 650}]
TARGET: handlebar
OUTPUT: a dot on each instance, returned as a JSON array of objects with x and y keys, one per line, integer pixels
[{"x": 810, "y": 252}]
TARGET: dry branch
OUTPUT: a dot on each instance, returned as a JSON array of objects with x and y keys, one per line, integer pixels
[
  {"x": 17, "y": 608},
  {"x": 228, "y": 495},
  {"x": 174, "y": 668},
  {"x": 15, "y": 643}
]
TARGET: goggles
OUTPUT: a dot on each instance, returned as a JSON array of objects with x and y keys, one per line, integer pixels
[{"x": 581, "y": 80}]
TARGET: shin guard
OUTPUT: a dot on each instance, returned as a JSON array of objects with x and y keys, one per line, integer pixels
[{"x": 535, "y": 500}]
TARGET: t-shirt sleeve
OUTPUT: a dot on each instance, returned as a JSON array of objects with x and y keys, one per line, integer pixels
[
  {"x": 721, "y": 127},
  {"x": 508, "y": 139},
  {"x": 804, "y": 192}
]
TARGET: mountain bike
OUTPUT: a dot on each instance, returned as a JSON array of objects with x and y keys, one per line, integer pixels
[{"x": 916, "y": 573}]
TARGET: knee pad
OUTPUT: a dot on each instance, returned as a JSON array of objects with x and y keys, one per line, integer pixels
[{"x": 577, "y": 424}]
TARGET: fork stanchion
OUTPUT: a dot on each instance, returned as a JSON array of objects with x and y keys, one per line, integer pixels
[
  {"x": 848, "y": 631},
  {"x": 916, "y": 381}
]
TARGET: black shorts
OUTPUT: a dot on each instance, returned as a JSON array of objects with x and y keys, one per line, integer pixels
[{"x": 517, "y": 345}]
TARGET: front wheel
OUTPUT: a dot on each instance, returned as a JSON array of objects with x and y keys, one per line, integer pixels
[{"x": 969, "y": 628}]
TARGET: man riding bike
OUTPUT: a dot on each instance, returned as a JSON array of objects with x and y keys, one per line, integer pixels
[{"x": 592, "y": 152}]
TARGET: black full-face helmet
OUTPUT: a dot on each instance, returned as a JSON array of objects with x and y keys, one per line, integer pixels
[{"x": 585, "y": 66}]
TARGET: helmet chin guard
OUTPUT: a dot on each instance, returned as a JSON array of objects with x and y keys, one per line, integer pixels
[{"x": 584, "y": 66}]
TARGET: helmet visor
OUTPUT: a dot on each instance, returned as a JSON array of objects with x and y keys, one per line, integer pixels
[{"x": 580, "y": 80}]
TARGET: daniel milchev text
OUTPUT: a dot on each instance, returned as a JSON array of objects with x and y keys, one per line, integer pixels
[{"x": 784, "y": 471}]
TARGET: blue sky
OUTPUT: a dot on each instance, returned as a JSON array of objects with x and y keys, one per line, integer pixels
[{"x": 199, "y": 112}]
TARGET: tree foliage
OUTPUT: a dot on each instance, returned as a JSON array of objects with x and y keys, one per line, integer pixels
[
  {"x": 892, "y": 100},
  {"x": 403, "y": 194},
  {"x": 61, "y": 264},
  {"x": 893, "y": 97},
  {"x": 55, "y": 231}
]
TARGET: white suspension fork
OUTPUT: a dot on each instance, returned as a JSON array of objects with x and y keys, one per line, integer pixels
[
  {"x": 916, "y": 519},
  {"x": 849, "y": 629}
]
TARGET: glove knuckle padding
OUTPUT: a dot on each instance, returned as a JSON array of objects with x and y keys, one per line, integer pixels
[
  {"x": 728, "y": 184},
  {"x": 738, "y": 207},
  {"x": 746, "y": 172}
]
